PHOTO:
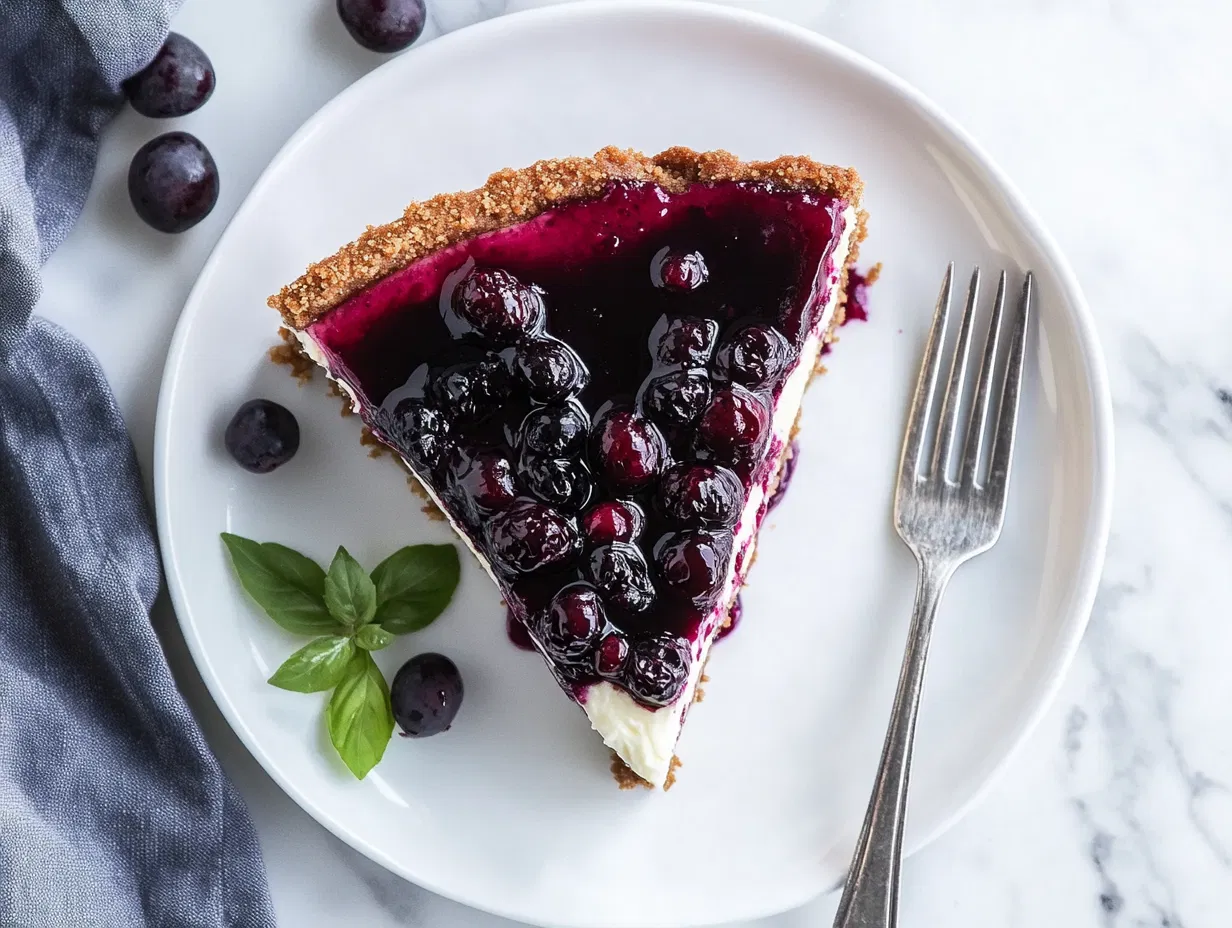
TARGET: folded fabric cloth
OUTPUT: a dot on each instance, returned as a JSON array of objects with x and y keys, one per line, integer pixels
[{"x": 113, "y": 811}]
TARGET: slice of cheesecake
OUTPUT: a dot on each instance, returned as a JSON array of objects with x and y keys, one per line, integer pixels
[{"x": 594, "y": 366}]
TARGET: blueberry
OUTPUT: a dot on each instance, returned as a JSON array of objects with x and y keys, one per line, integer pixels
[
  {"x": 620, "y": 573},
  {"x": 383, "y": 25},
  {"x": 678, "y": 270},
  {"x": 548, "y": 369},
  {"x": 677, "y": 398},
  {"x": 613, "y": 520},
  {"x": 700, "y": 496},
  {"x": 571, "y": 625},
  {"x": 498, "y": 306},
  {"x": 630, "y": 450},
  {"x": 179, "y": 80},
  {"x": 262, "y": 435},
  {"x": 529, "y": 536},
  {"x": 555, "y": 431},
  {"x": 483, "y": 481},
  {"x": 561, "y": 482},
  {"x": 693, "y": 564},
  {"x": 426, "y": 695},
  {"x": 472, "y": 390},
  {"x": 658, "y": 669},
  {"x": 611, "y": 654},
  {"x": 734, "y": 423},
  {"x": 685, "y": 340},
  {"x": 754, "y": 356},
  {"x": 420, "y": 432},
  {"x": 173, "y": 182}
]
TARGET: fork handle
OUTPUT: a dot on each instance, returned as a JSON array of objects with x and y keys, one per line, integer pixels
[{"x": 870, "y": 897}]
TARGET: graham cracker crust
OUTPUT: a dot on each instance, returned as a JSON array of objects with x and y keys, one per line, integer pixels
[
  {"x": 627, "y": 779},
  {"x": 512, "y": 196}
]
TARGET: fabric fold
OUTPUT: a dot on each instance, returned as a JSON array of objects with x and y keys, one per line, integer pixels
[{"x": 113, "y": 810}]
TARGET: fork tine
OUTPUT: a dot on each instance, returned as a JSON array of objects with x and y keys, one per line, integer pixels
[
  {"x": 951, "y": 403},
  {"x": 1007, "y": 415},
  {"x": 926, "y": 385},
  {"x": 974, "y": 452}
]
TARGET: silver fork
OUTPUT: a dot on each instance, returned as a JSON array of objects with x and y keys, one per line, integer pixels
[{"x": 944, "y": 522}]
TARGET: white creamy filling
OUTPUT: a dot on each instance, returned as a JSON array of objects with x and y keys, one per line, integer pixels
[{"x": 644, "y": 738}]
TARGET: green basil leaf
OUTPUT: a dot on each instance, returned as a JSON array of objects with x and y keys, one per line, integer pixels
[
  {"x": 373, "y": 638},
  {"x": 358, "y": 716},
  {"x": 414, "y": 585},
  {"x": 287, "y": 585},
  {"x": 318, "y": 665},
  {"x": 349, "y": 593}
]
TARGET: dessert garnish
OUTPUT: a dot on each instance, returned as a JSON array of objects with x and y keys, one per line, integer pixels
[{"x": 351, "y": 614}]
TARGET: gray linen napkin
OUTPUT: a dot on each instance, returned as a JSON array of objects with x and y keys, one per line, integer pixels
[{"x": 113, "y": 811}]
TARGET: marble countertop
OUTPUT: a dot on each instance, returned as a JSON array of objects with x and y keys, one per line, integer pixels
[{"x": 1115, "y": 119}]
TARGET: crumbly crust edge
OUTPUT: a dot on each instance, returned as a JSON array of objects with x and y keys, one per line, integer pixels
[{"x": 512, "y": 196}]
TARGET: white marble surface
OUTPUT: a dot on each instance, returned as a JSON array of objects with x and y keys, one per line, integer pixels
[{"x": 1115, "y": 118}]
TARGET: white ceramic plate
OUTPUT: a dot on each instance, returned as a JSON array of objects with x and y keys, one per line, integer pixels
[{"x": 514, "y": 810}]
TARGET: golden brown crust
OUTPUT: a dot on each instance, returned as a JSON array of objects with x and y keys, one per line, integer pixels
[
  {"x": 291, "y": 354},
  {"x": 626, "y": 778},
  {"x": 512, "y": 196}
]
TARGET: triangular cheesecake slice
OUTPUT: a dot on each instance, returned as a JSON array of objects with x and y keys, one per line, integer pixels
[{"x": 594, "y": 366}]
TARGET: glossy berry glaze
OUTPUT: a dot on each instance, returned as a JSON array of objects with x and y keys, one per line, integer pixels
[{"x": 589, "y": 394}]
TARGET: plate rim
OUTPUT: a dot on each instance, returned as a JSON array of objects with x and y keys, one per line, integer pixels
[{"x": 1087, "y": 340}]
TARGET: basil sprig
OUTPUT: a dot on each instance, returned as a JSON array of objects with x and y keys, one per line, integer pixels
[{"x": 352, "y": 614}]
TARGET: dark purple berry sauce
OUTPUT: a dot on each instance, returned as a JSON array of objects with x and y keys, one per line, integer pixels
[
  {"x": 516, "y": 629},
  {"x": 857, "y": 293},
  {"x": 785, "y": 475},
  {"x": 734, "y": 614},
  {"x": 589, "y": 393}
]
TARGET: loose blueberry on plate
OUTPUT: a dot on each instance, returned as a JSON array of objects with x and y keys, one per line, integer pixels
[
  {"x": 630, "y": 449},
  {"x": 679, "y": 271},
  {"x": 684, "y": 340},
  {"x": 620, "y": 573},
  {"x": 530, "y": 536},
  {"x": 658, "y": 669},
  {"x": 548, "y": 369},
  {"x": 571, "y": 626},
  {"x": 179, "y": 80},
  {"x": 173, "y": 182},
  {"x": 426, "y": 695},
  {"x": 700, "y": 496},
  {"x": 693, "y": 563},
  {"x": 262, "y": 435},
  {"x": 612, "y": 520},
  {"x": 498, "y": 306},
  {"x": 754, "y": 356},
  {"x": 383, "y": 25},
  {"x": 555, "y": 431}
]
